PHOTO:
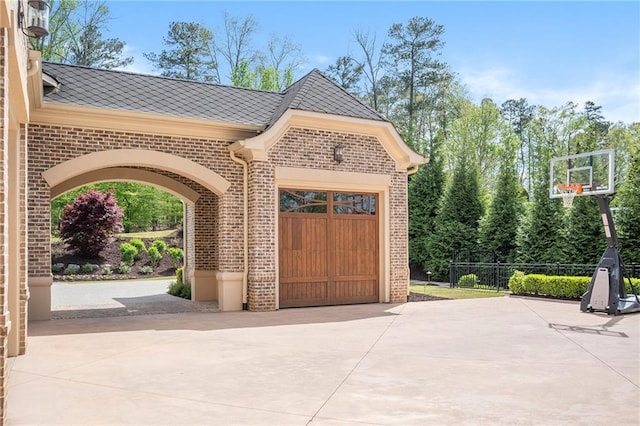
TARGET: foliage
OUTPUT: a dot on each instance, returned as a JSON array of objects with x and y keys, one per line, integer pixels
[
  {"x": 76, "y": 36},
  {"x": 189, "y": 53},
  {"x": 177, "y": 256},
  {"x": 90, "y": 221},
  {"x": 584, "y": 240},
  {"x": 88, "y": 268},
  {"x": 456, "y": 226},
  {"x": 107, "y": 269},
  {"x": 516, "y": 282},
  {"x": 425, "y": 191},
  {"x": 139, "y": 245},
  {"x": 154, "y": 255},
  {"x": 628, "y": 216},
  {"x": 144, "y": 207},
  {"x": 499, "y": 228},
  {"x": 159, "y": 245},
  {"x": 541, "y": 231},
  {"x": 469, "y": 281},
  {"x": 180, "y": 288},
  {"x": 146, "y": 270},
  {"x": 128, "y": 253},
  {"x": 555, "y": 286},
  {"x": 57, "y": 268},
  {"x": 124, "y": 268},
  {"x": 411, "y": 55},
  {"x": 71, "y": 269}
]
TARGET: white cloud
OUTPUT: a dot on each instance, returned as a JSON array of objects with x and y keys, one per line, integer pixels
[
  {"x": 140, "y": 64},
  {"x": 619, "y": 95}
]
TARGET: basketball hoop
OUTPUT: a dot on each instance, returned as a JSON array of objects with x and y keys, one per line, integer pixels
[{"x": 568, "y": 191}]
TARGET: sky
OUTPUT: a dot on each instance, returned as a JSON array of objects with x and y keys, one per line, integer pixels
[{"x": 547, "y": 52}]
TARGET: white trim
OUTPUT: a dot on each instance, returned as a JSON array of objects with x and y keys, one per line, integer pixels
[{"x": 139, "y": 158}]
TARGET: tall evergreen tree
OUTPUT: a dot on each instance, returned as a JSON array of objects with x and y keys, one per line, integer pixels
[
  {"x": 189, "y": 55},
  {"x": 584, "y": 239},
  {"x": 411, "y": 57},
  {"x": 499, "y": 228},
  {"x": 541, "y": 232},
  {"x": 456, "y": 226},
  {"x": 425, "y": 191},
  {"x": 628, "y": 217}
]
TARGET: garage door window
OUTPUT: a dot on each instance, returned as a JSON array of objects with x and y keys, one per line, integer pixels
[
  {"x": 303, "y": 201},
  {"x": 348, "y": 203}
]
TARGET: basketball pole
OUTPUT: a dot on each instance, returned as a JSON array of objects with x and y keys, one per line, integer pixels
[{"x": 607, "y": 291}]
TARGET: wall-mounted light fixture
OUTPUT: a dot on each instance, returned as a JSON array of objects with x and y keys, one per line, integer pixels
[
  {"x": 338, "y": 152},
  {"x": 35, "y": 22}
]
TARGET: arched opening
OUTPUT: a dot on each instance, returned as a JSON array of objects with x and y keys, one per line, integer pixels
[
  {"x": 201, "y": 191},
  {"x": 138, "y": 266}
]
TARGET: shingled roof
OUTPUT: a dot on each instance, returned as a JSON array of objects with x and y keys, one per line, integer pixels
[{"x": 119, "y": 90}]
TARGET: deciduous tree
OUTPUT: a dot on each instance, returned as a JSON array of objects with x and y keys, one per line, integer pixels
[{"x": 90, "y": 221}]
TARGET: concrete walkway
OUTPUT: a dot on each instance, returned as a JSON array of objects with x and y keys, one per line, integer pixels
[{"x": 499, "y": 361}]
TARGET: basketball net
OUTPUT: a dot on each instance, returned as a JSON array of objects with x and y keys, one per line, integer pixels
[{"x": 568, "y": 191}]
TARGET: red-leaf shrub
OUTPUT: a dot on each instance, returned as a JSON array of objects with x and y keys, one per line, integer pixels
[{"x": 89, "y": 222}]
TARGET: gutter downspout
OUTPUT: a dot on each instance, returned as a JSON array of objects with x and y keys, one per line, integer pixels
[{"x": 245, "y": 226}]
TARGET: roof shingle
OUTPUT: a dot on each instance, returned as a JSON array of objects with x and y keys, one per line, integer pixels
[{"x": 184, "y": 98}]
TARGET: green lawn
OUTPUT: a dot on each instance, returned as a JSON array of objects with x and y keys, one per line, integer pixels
[
  {"x": 149, "y": 234},
  {"x": 454, "y": 293}
]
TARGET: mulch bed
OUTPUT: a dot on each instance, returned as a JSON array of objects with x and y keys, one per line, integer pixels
[
  {"x": 419, "y": 297},
  {"x": 111, "y": 256}
]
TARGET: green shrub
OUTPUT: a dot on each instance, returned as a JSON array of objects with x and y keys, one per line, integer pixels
[
  {"x": 124, "y": 268},
  {"x": 160, "y": 245},
  {"x": 139, "y": 244},
  {"x": 154, "y": 255},
  {"x": 468, "y": 281},
  {"x": 107, "y": 269},
  {"x": 128, "y": 253},
  {"x": 516, "y": 284},
  {"x": 57, "y": 268},
  {"x": 554, "y": 286},
  {"x": 177, "y": 255},
  {"x": 88, "y": 268},
  {"x": 71, "y": 269},
  {"x": 180, "y": 288},
  {"x": 146, "y": 270}
]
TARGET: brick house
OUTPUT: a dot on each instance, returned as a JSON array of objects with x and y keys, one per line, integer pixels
[{"x": 297, "y": 198}]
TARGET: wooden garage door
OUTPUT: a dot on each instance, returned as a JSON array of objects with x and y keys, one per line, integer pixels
[{"x": 328, "y": 248}]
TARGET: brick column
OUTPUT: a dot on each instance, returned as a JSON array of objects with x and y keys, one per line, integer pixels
[
  {"x": 24, "y": 290},
  {"x": 4, "y": 139},
  {"x": 205, "y": 260},
  {"x": 40, "y": 278},
  {"x": 262, "y": 239},
  {"x": 399, "y": 250}
]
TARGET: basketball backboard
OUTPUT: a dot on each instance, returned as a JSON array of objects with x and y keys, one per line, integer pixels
[{"x": 589, "y": 173}]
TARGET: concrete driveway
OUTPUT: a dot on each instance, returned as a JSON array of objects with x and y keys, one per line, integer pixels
[
  {"x": 100, "y": 299},
  {"x": 482, "y": 362}
]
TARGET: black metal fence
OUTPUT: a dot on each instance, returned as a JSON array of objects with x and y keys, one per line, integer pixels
[{"x": 495, "y": 276}]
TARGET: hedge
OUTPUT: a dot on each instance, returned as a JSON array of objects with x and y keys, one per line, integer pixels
[{"x": 555, "y": 286}]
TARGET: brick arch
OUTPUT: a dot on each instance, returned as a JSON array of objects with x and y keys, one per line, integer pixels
[
  {"x": 122, "y": 174},
  {"x": 71, "y": 169}
]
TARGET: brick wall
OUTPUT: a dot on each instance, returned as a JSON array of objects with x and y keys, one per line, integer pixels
[
  {"x": 313, "y": 149},
  {"x": 52, "y": 145},
  {"x": 214, "y": 224}
]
